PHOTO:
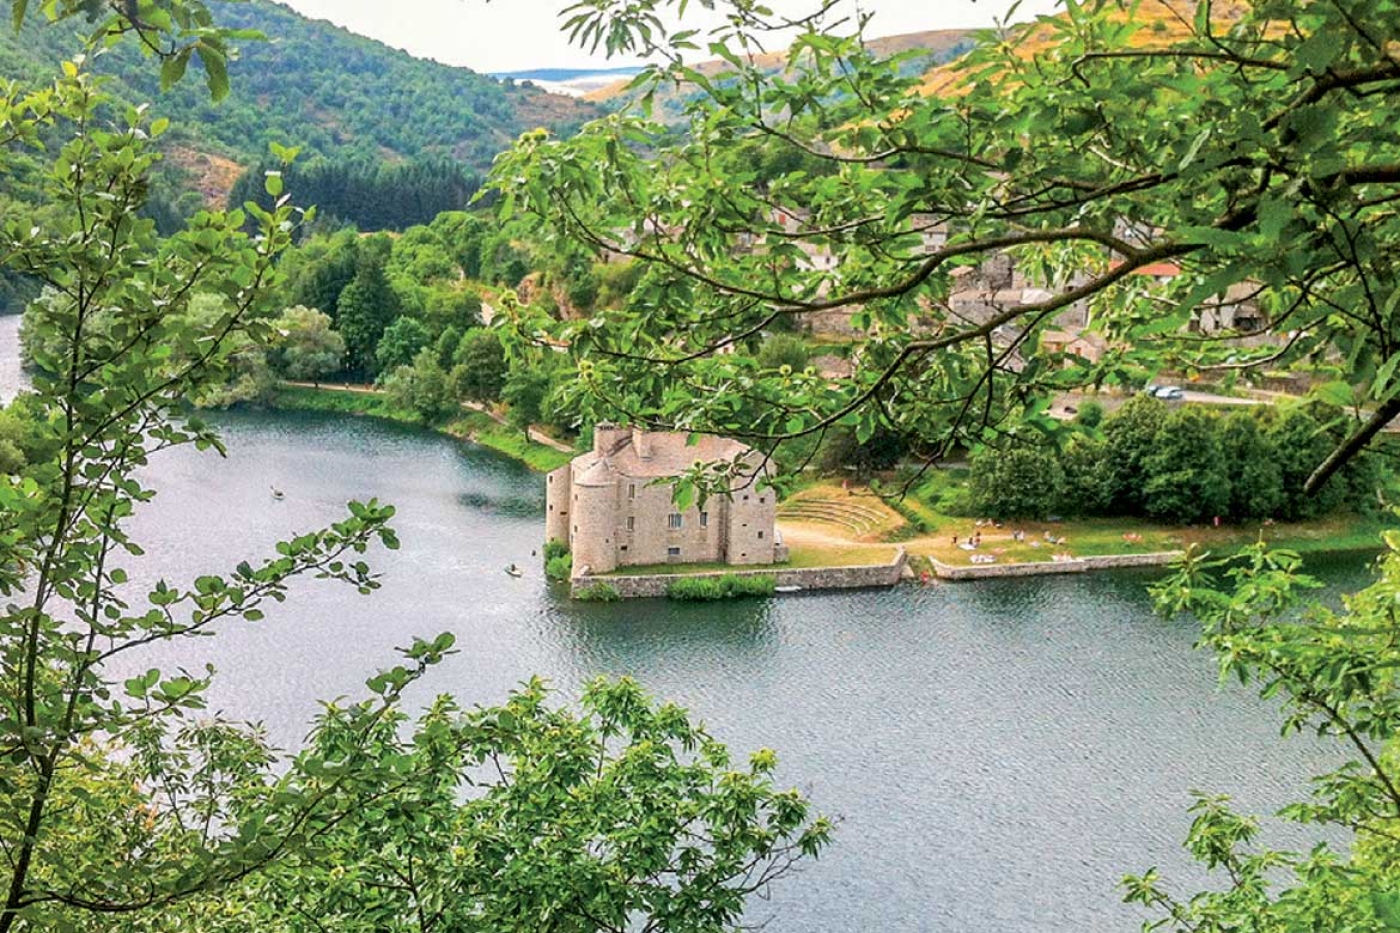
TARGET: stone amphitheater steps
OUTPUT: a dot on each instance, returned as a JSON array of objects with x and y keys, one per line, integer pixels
[{"x": 855, "y": 517}]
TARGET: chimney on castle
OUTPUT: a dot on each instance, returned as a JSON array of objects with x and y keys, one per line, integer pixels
[
  {"x": 641, "y": 443},
  {"x": 606, "y": 438}
]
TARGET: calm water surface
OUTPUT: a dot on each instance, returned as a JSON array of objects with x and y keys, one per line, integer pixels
[
  {"x": 11, "y": 379},
  {"x": 999, "y": 753}
]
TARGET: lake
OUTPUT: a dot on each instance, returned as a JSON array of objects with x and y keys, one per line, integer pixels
[{"x": 999, "y": 753}]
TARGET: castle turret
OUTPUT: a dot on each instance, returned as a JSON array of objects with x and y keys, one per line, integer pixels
[
  {"x": 594, "y": 518},
  {"x": 558, "y": 497}
]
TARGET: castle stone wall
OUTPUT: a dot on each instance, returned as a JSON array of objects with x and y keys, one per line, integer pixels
[{"x": 642, "y": 586}]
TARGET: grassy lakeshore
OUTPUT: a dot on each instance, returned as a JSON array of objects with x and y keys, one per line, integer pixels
[
  {"x": 474, "y": 426},
  {"x": 826, "y": 525},
  {"x": 827, "y": 515}
]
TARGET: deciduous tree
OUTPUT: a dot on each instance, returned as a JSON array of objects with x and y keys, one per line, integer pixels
[{"x": 1248, "y": 145}]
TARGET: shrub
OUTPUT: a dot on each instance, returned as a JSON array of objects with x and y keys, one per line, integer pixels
[
  {"x": 1090, "y": 414},
  {"x": 763, "y": 584},
  {"x": 1017, "y": 482},
  {"x": 909, "y": 508},
  {"x": 553, "y": 549},
  {"x": 599, "y": 592},
  {"x": 696, "y": 589},
  {"x": 728, "y": 586},
  {"x": 559, "y": 568}
]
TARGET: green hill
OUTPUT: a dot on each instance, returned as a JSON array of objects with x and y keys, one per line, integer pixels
[{"x": 342, "y": 97}]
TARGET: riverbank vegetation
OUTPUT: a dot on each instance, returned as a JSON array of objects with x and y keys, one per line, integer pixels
[
  {"x": 476, "y": 426},
  {"x": 725, "y": 586}
]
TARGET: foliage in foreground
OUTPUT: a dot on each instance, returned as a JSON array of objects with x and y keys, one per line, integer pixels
[
  {"x": 591, "y": 820},
  {"x": 1249, "y": 145},
  {"x": 1334, "y": 674},
  {"x": 125, "y": 806}
]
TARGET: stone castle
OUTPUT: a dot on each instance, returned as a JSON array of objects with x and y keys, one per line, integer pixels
[{"x": 614, "y": 509}]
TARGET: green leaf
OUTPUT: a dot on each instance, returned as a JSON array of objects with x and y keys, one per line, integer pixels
[
  {"x": 215, "y": 71},
  {"x": 173, "y": 68}
]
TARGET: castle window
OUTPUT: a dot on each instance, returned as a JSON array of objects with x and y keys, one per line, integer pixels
[
  {"x": 674, "y": 520},
  {"x": 631, "y": 490},
  {"x": 551, "y": 508},
  {"x": 631, "y": 523},
  {"x": 761, "y": 500},
  {"x": 704, "y": 519},
  {"x": 760, "y": 536},
  {"x": 673, "y": 552},
  {"x": 746, "y": 498}
]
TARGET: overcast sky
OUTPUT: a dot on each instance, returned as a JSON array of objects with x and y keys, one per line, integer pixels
[{"x": 516, "y": 35}]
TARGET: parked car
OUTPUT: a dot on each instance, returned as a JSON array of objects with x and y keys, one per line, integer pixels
[{"x": 1169, "y": 393}]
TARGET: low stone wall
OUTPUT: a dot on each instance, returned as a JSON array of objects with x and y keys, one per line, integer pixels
[
  {"x": 1041, "y": 568},
  {"x": 642, "y": 586}
]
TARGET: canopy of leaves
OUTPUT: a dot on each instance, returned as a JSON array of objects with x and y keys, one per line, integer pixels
[{"x": 1255, "y": 153}]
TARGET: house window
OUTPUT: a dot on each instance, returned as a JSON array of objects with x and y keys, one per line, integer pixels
[
  {"x": 704, "y": 519},
  {"x": 673, "y": 552},
  {"x": 631, "y": 490},
  {"x": 674, "y": 520},
  {"x": 631, "y": 523}
]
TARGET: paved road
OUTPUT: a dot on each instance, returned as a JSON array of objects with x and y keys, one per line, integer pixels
[{"x": 1073, "y": 400}]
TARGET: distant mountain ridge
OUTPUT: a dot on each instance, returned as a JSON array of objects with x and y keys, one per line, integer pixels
[
  {"x": 339, "y": 95},
  {"x": 565, "y": 74},
  {"x": 938, "y": 46}
]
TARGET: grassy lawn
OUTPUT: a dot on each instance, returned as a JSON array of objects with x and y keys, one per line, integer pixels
[
  {"x": 805, "y": 556},
  {"x": 1089, "y": 537},
  {"x": 1101, "y": 537},
  {"x": 341, "y": 402},
  {"x": 471, "y": 425},
  {"x": 482, "y": 430}
]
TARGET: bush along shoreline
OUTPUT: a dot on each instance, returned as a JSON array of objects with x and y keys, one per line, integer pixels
[{"x": 729, "y": 586}]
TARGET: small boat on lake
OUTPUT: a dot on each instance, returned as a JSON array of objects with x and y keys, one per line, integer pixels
[
  {"x": 515, "y": 571},
  {"x": 787, "y": 589}
]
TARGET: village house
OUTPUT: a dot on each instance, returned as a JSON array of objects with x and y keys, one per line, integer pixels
[{"x": 614, "y": 508}]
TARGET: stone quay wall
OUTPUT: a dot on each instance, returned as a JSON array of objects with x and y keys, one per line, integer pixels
[
  {"x": 643, "y": 586},
  {"x": 1039, "y": 568}
]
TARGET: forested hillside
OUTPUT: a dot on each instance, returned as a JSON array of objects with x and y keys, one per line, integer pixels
[{"x": 340, "y": 96}]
